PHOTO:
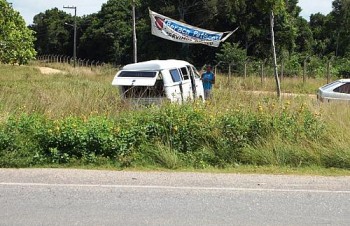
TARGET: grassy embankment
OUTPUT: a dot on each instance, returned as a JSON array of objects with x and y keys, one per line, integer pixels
[{"x": 76, "y": 119}]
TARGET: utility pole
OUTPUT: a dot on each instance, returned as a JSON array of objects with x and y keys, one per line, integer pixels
[
  {"x": 75, "y": 33},
  {"x": 134, "y": 31}
]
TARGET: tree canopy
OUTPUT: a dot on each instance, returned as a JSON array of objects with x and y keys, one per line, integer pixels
[
  {"x": 107, "y": 35},
  {"x": 16, "y": 40}
]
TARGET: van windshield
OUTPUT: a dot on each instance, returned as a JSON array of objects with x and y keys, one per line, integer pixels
[{"x": 137, "y": 74}]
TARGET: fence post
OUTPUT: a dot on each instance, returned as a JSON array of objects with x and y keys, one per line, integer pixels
[
  {"x": 229, "y": 71},
  {"x": 215, "y": 68},
  {"x": 305, "y": 69},
  {"x": 304, "y": 72},
  {"x": 328, "y": 71},
  {"x": 92, "y": 62},
  {"x": 282, "y": 70},
  {"x": 245, "y": 70},
  {"x": 262, "y": 73}
]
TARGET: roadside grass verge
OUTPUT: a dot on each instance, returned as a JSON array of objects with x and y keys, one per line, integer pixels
[
  {"x": 77, "y": 120},
  {"x": 175, "y": 137}
]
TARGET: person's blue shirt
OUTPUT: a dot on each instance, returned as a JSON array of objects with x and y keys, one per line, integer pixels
[{"x": 208, "y": 78}]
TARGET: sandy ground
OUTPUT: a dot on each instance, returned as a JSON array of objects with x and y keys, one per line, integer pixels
[
  {"x": 267, "y": 93},
  {"x": 49, "y": 71}
]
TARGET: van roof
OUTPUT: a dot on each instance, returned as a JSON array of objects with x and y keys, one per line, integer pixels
[{"x": 156, "y": 65}]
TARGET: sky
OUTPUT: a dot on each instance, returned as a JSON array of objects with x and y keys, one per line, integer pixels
[{"x": 29, "y": 8}]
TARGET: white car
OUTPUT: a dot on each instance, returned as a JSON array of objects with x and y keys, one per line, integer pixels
[
  {"x": 157, "y": 80},
  {"x": 337, "y": 90}
]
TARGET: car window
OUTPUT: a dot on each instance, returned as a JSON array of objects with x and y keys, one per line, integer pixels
[
  {"x": 185, "y": 73},
  {"x": 137, "y": 74},
  {"x": 343, "y": 88},
  {"x": 175, "y": 75}
]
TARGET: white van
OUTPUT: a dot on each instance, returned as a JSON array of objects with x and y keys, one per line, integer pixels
[{"x": 158, "y": 80}]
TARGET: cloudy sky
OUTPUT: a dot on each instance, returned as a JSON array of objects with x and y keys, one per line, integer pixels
[{"x": 29, "y": 8}]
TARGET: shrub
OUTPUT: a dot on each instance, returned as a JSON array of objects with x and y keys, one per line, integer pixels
[{"x": 170, "y": 136}]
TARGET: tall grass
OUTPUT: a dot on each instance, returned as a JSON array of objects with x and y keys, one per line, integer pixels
[
  {"x": 236, "y": 127},
  {"x": 25, "y": 89}
]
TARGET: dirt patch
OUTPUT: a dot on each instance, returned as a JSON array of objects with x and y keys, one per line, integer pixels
[{"x": 49, "y": 71}]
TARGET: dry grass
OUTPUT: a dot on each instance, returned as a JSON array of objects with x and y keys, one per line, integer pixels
[
  {"x": 26, "y": 89},
  {"x": 86, "y": 91}
]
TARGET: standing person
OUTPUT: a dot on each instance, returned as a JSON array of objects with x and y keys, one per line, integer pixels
[{"x": 208, "y": 79}]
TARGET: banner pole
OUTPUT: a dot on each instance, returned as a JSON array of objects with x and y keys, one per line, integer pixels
[{"x": 134, "y": 31}]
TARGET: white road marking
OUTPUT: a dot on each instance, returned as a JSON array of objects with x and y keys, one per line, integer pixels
[{"x": 174, "y": 187}]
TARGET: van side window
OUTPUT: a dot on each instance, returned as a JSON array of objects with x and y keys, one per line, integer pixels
[
  {"x": 175, "y": 75},
  {"x": 185, "y": 74}
]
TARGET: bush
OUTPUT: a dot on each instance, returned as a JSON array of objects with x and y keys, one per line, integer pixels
[{"x": 170, "y": 136}]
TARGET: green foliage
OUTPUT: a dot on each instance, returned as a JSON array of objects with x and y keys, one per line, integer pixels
[
  {"x": 54, "y": 32},
  {"x": 108, "y": 37},
  {"x": 342, "y": 67},
  {"x": 16, "y": 40},
  {"x": 170, "y": 136},
  {"x": 293, "y": 67},
  {"x": 232, "y": 54},
  {"x": 271, "y": 5}
]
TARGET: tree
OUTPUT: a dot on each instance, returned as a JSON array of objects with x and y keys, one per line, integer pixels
[
  {"x": 16, "y": 40},
  {"x": 272, "y": 7},
  {"x": 109, "y": 36},
  {"x": 304, "y": 39},
  {"x": 341, "y": 21},
  {"x": 232, "y": 53},
  {"x": 331, "y": 32},
  {"x": 319, "y": 25},
  {"x": 54, "y": 35}
]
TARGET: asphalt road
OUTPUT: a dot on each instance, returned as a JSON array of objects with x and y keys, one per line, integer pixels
[{"x": 85, "y": 197}]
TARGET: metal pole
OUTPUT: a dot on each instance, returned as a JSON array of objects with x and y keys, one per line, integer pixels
[
  {"x": 75, "y": 33},
  {"x": 75, "y": 36},
  {"x": 134, "y": 31}
]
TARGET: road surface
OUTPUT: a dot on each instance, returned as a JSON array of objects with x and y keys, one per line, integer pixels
[{"x": 88, "y": 197}]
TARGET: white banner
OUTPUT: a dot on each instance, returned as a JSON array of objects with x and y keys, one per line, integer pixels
[{"x": 173, "y": 30}]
